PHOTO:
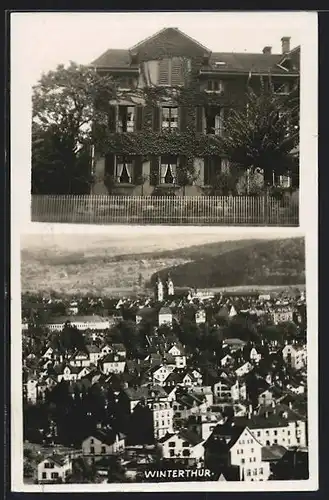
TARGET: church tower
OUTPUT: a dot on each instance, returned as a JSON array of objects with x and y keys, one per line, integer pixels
[
  {"x": 159, "y": 290},
  {"x": 170, "y": 286}
]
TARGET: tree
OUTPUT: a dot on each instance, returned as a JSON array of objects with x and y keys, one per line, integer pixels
[
  {"x": 264, "y": 133},
  {"x": 65, "y": 104}
]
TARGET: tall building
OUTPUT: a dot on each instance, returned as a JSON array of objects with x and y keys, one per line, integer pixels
[{"x": 163, "y": 129}]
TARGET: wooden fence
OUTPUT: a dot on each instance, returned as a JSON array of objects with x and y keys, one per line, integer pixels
[{"x": 194, "y": 210}]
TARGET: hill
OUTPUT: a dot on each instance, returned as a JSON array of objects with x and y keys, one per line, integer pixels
[{"x": 269, "y": 262}]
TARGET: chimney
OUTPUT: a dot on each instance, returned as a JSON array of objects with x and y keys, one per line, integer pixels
[
  {"x": 285, "y": 43},
  {"x": 267, "y": 50}
]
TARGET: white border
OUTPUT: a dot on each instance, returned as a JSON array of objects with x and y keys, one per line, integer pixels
[{"x": 20, "y": 158}]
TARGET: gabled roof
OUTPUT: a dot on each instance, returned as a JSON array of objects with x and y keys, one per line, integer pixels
[{"x": 167, "y": 32}]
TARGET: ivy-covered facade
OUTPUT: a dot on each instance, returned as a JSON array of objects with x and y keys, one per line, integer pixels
[{"x": 163, "y": 132}]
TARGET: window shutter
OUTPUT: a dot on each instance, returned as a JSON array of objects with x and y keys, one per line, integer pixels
[
  {"x": 182, "y": 118},
  {"x": 154, "y": 171},
  {"x": 207, "y": 175},
  {"x": 181, "y": 170},
  {"x": 176, "y": 71},
  {"x": 199, "y": 116},
  {"x": 138, "y": 169},
  {"x": 164, "y": 68},
  {"x": 109, "y": 165},
  {"x": 112, "y": 118},
  {"x": 139, "y": 117},
  {"x": 156, "y": 119}
]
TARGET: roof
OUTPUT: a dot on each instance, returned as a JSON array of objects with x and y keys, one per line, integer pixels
[
  {"x": 165, "y": 310},
  {"x": 274, "y": 452},
  {"x": 57, "y": 459},
  {"x": 192, "y": 438},
  {"x": 76, "y": 319},
  {"x": 234, "y": 62}
]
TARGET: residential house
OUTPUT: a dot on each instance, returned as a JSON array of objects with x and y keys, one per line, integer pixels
[
  {"x": 178, "y": 352},
  {"x": 295, "y": 356},
  {"x": 102, "y": 443},
  {"x": 282, "y": 314},
  {"x": 67, "y": 372},
  {"x": 113, "y": 363},
  {"x": 183, "y": 445},
  {"x": 166, "y": 59},
  {"x": 165, "y": 316},
  {"x": 200, "y": 316},
  {"x": 54, "y": 469}
]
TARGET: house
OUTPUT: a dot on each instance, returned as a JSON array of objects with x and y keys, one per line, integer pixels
[
  {"x": 67, "y": 372},
  {"x": 232, "y": 445},
  {"x": 200, "y": 316},
  {"x": 282, "y": 314},
  {"x": 161, "y": 373},
  {"x": 54, "y": 469},
  {"x": 30, "y": 389},
  {"x": 295, "y": 356},
  {"x": 119, "y": 349},
  {"x": 230, "y": 389},
  {"x": 102, "y": 443},
  {"x": 204, "y": 391},
  {"x": 113, "y": 363},
  {"x": 80, "y": 358},
  {"x": 178, "y": 352},
  {"x": 165, "y": 316},
  {"x": 95, "y": 353},
  {"x": 188, "y": 404},
  {"x": 165, "y": 59},
  {"x": 243, "y": 369},
  {"x": 156, "y": 399},
  {"x": 183, "y": 444},
  {"x": 277, "y": 425},
  {"x": 92, "y": 322}
]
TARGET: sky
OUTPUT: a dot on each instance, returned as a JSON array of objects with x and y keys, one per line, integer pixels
[
  {"x": 42, "y": 40},
  {"x": 71, "y": 238}
]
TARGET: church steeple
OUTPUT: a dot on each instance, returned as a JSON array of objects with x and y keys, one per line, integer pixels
[
  {"x": 159, "y": 295},
  {"x": 170, "y": 286}
]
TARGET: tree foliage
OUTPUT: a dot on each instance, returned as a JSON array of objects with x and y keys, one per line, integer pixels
[
  {"x": 264, "y": 133},
  {"x": 65, "y": 102}
]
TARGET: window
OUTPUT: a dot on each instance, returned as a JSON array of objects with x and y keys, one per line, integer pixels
[
  {"x": 248, "y": 472},
  {"x": 288, "y": 432},
  {"x": 267, "y": 433},
  {"x": 186, "y": 444},
  {"x": 252, "y": 450},
  {"x": 255, "y": 472},
  {"x": 92, "y": 450},
  {"x": 214, "y": 120},
  {"x": 172, "y": 453},
  {"x": 54, "y": 475},
  {"x": 171, "y": 444},
  {"x": 169, "y": 118},
  {"x": 44, "y": 475},
  {"x": 215, "y": 86},
  {"x": 123, "y": 171},
  {"x": 258, "y": 433},
  {"x": 168, "y": 170},
  {"x": 103, "y": 449},
  {"x": 49, "y": 465},
  {"x": 268, "y": 442},
  {"x": 186, "y": 453},
  {"x": 275, "y": 433},
  {"x": 275, "y": 441},
  {"x": 126, "y": 117},
  {"x": 242, "y": 460},
  {"x": 261, "y": 471}
]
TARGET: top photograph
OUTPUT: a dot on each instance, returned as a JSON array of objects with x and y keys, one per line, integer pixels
[{"x": 193, "y": 123}]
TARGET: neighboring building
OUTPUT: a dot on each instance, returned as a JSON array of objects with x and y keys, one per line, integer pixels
[
  {"x": 178, "y": 353},
  {"x": 165, "y": 316},
  {"x": 168, "y": 59},
  {"x": 282, "y": 314},
  {"x": 295, "y": 356},
  {"x": 184, "y": 445},
  {"x": 232, "y": 445},
  {"x": 113, "y": 363},
  {"x": 200, "y": 316},
  {"x": 102, "y": 443},
  {"x": 54, "y": 469},
  {"x": 80, "y": 322}
]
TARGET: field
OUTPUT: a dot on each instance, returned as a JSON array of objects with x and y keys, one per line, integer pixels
[{"x": 103, "y": 265}]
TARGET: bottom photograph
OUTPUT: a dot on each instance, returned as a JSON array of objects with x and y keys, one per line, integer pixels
[{"x": 163, "y": 358}]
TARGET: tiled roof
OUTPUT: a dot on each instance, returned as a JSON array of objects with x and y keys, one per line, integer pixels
[{"x": 274, "y": 452}]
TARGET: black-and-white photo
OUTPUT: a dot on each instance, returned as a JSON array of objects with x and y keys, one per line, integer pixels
[
  {"x": 195, "y": 124},
  {"x": 147, "y": 361}
]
